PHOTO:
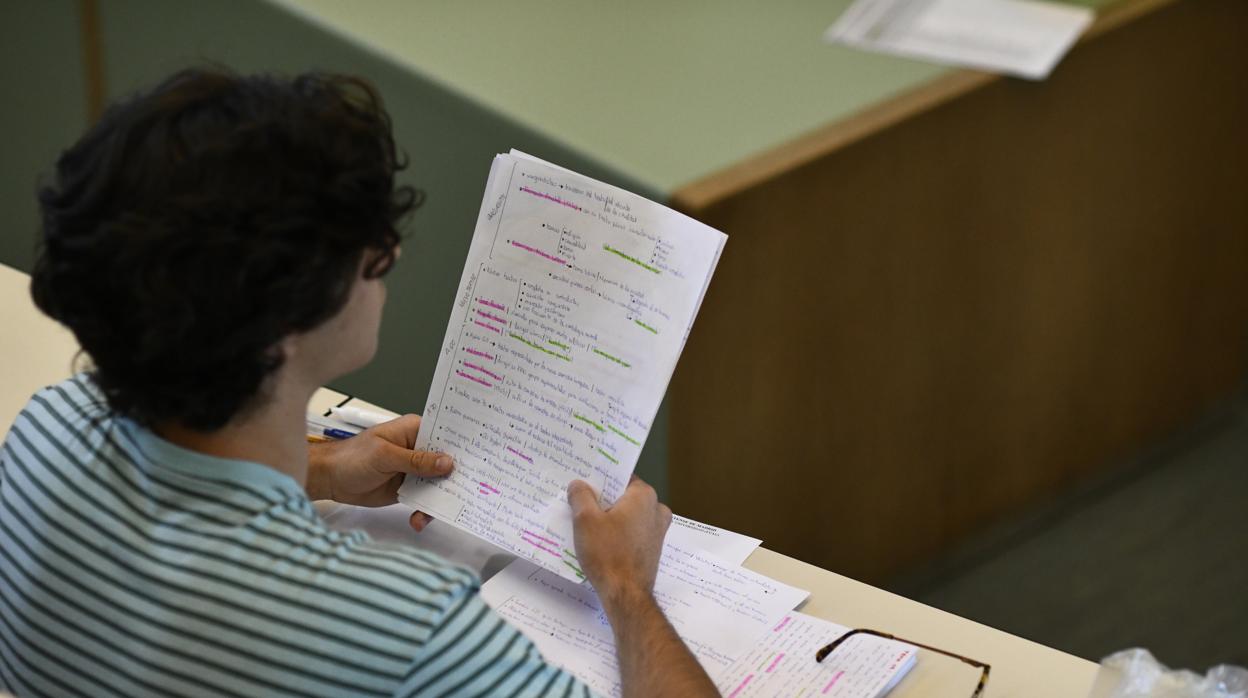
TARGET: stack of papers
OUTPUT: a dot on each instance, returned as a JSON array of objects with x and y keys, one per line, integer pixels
[
  {"x": 782, "y": 663},
  {"x": 573, "y": 307},
  {"x": 1019, "y": 37},
  {"x": 717, "y": 607},
  {"x": 740, "y": 625}
]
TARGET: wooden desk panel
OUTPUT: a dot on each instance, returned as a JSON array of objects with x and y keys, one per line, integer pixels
[{"x": 959, "y": 315}]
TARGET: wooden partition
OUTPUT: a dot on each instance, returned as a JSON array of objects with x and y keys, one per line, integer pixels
[{"x": 973, "y": 298}]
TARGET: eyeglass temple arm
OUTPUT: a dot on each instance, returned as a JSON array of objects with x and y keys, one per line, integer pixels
[{"x": 823, "y": 653}]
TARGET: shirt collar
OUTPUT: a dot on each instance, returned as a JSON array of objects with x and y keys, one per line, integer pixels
[{"x": 227, "y": 471}]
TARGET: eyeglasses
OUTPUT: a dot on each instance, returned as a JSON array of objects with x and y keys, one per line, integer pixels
[{"x": 983, "y": 678}]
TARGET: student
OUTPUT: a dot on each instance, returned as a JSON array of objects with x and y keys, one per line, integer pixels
[{"x": 217, "y": 246}]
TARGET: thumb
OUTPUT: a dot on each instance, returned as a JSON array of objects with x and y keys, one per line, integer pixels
[
  {"x": 582, "y": 498},
  {"x": 392, "y": 458}
]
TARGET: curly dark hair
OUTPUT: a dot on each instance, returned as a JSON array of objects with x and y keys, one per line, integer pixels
[{"x": 196, "y": 225}]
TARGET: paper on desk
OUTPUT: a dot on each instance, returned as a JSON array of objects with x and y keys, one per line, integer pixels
[
  {"x": 721, "y": 543},
  {"x": 390, "y": 524},
  {"x": 717, "y": 608},
  {"x": 783, "y": 663},
  {"x": 573, "y": 307},
  {"x": 1020, "y": 37}
]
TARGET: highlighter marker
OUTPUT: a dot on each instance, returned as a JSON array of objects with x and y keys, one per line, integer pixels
[{"x": 359, "y": 417}]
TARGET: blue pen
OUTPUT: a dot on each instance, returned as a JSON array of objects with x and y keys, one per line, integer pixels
[{"x": 337, "y": 433}]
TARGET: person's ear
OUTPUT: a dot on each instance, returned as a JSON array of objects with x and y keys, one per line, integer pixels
[{"x": 287, "y": 348}]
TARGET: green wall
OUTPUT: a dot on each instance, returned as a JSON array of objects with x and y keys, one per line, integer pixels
[{"x": 45, "y": 109}]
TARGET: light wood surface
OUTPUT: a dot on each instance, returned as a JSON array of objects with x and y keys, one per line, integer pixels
[
  {"x": 939, "y": 325},
  {"x": 34, "y": 351},
  {"x": 1020, "y": 668}
]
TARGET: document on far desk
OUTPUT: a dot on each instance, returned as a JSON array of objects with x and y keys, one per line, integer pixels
[
  {"x": 574, "y": 304},
  {"x": 718, "y": 608},
  {"x": 1019, "y": 37}
]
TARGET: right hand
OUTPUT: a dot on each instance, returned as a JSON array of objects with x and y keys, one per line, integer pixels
[{"x": 619, "y": 547}]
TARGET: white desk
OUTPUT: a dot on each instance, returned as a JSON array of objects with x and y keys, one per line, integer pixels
[{"x": 35, "y": 352}]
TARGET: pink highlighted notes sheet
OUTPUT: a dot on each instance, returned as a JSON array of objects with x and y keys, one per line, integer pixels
[
  {"x": 782, "y": 663},
  {"x": 574, "y": 305}
]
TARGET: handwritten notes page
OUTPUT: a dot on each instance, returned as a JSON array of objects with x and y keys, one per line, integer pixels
[
  {"x": 783, "y": 663},
  {"x": 719, "y": 609},
  {"x": 572, "y": 310}
]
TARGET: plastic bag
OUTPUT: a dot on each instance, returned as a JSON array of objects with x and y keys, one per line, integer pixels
[{"x": 1144, "y": 677}]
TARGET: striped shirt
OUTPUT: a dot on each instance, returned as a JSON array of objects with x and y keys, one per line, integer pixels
[{"x": 130, "y": 566}]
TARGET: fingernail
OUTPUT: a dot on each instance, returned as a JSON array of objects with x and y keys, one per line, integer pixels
[{"x": 443, "y": 463}]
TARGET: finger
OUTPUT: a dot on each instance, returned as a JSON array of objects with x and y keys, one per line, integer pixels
[
  {"x": 582, "y": 498},
  {"x": 418, "y": 520},
  {"x": 431, "y": 463},
  {"x": 640, "y": 488},
  {"x": 396, "y": 459}
]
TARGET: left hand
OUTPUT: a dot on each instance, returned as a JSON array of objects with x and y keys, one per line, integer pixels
[{"x": 368, "y": 468}]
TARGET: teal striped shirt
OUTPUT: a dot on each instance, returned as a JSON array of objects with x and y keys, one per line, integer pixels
[{"x": 130, "y": 566}]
